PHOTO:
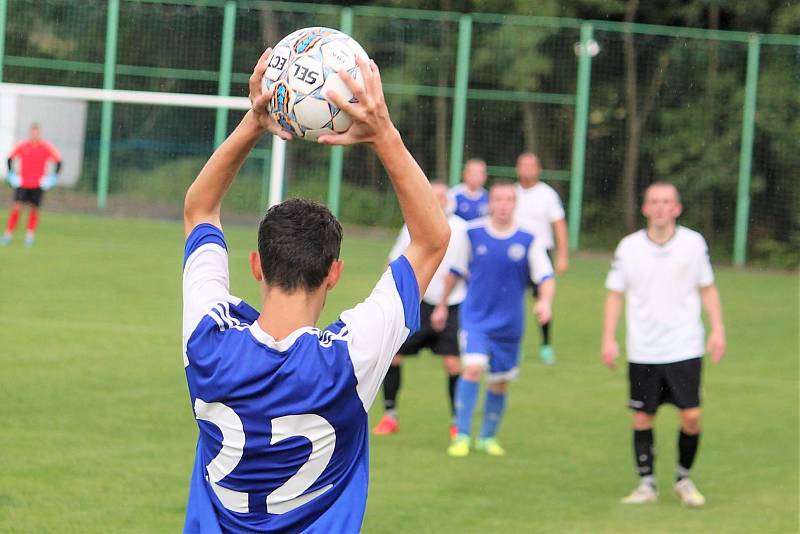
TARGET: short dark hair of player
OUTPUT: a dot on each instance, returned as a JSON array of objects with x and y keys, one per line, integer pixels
[{"x": 298, "y": 240}]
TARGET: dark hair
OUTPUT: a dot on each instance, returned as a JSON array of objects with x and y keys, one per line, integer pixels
[{"x": 298, "y": 240}]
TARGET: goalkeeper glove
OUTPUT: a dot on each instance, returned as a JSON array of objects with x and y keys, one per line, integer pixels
[
  {"x": 48, "y": 182},
  {"x": 13, "y": 179}
]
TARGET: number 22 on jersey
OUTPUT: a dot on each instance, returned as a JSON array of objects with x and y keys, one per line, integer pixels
[{"x": 290, "y": 494}]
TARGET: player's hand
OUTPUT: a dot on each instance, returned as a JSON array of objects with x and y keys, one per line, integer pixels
[
  {"x": 13, "y": 179},
  {"x": 259, "y": 100},
  {"x": 562, "y": 264},
  {"x": 543, "y": 311},
  {"x": 716, "y": 345},
  {"x": 48, "y": 182},
  {"x": 371, "y": 121},
  {"x": 610, "y": 352},
  {"x": 439, "y": 318}
]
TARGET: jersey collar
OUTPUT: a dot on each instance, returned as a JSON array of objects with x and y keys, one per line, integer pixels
[{"x": 284, "y": 344}]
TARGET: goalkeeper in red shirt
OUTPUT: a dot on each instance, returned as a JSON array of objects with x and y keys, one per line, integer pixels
[{"x": 31, "y": 181}]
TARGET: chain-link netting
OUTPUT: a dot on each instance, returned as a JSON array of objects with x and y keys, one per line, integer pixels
[{"x": 660, "y": 108}]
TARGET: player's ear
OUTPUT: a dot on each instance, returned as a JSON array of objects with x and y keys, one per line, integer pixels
[
  {"x": 334, "y": 273},
  {"x": 678, "y": 210},
  {"x": 255, "y": 266}
]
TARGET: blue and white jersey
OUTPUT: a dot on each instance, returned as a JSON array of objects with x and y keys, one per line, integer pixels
[
  {"x": 283, "y": 443},
  {"x": 468, "y": 205},
  {"x": 499, "y": 269}
]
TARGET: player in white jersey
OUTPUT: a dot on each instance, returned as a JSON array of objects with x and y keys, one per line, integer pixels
[
  {"x": 438, "y": 323},
  {"x": 282, "y": 406},
  {"x": 499, "y": 261},
  {"x": 469, "y": 199},
  {"x": 539, "y": 210},
  {"x": 663, "y": 273}
]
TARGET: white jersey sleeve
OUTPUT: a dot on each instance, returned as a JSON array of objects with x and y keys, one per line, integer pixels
[
  {"x": 205, "y": 277},
  {"x": 555, "y": 210},
  {"x": 378, "y": 326},
  {"x": 539, "y": 264},
  {"x": 705, "y": 274},
  {"x": 461, "y": 251},
  {"x": 615, "y": 281},
  {"x": 400, "y": 244}
]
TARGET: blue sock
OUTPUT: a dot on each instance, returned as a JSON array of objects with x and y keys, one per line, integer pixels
[
  {"x": 466, "y": 398},
  {"x": 492, "y": 413}
]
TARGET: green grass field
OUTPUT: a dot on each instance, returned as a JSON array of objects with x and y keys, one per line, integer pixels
[{"x": 97, "y": 434}]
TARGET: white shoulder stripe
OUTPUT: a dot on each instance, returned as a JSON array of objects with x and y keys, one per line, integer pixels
[{"x": 213, "y": 315}]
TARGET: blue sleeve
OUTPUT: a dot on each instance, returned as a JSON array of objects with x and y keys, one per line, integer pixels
[
  {"x": 406, "y": 282},
  {"x": 202, "y": 234}
]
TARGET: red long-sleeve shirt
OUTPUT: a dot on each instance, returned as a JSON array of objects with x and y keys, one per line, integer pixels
[{"x": 33, "y": 158}]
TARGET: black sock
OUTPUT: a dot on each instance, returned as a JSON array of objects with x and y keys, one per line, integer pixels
[
  {"x": 546, "y": 333},
  {"x": 687, "y": 449},
  {"x": 643, "y": 450},
  {"x": 452, "y": 380},
  {"x": 391, "y": 385}
]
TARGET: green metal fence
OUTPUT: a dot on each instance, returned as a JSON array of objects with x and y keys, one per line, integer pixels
[{"x": 608, "y": 106}]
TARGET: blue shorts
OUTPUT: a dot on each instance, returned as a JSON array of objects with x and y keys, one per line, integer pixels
[{"x": 500, "y": 356}]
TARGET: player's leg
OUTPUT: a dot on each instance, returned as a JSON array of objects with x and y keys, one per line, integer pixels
[
  {"x": 546, "y": 353},
  {"x": 13, "y": 217},
  {"x": 503, "y": 368},
  {"x": 683, "y": 379},
  {"x": 389, "y": 423},
  {"x": 645, "y": 397},
  {"x": 446, "y": 346},
  {"x": 34, "y": 200},
  {"x": 391, "y": 387},
  {"x": 474, "y": 360},
  {"x": 452, "y": 368}
]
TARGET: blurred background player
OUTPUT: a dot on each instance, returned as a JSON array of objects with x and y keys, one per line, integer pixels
[
  {"x": 438, "y": 323},
  {"x": 282, "y": 406},
  {"x": 31, "y": 181},
  {"x": 469, "y": 198},
  {"x": 539, "y": 210},
  {"x": 499, "y": 261},
  {"x": 664, "y": 273}
]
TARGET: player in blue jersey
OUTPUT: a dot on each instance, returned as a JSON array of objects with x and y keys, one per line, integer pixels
[
  {"x": 499, "y": 261},
  {"x": 281, "y": 405},
  {"x": 469, "y": 200}
]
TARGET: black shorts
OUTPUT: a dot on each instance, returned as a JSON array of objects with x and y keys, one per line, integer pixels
[
  {"x": 443, "y": 343},
  {"x": 677, "y": 383},
  {"x": 29, "y": 196}
]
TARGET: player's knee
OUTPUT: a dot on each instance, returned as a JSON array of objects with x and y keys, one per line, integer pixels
[
  {"x": 451, "y": 365},
  {"x": 397, "y": 360},
  {"x": 642, "y": 420},
  {"x": 498, "y": 388},
  {"x": 472, "y": 373},
  {"x": 690, "y": 420}
]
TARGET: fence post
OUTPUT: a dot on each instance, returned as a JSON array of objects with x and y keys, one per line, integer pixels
[
  {"x": 225, "y": 67},
  {"x": 107, "y": 111},
  {"x": 3, "y": 10},
  {"x": 579, "y": 136},
  {"x": 746, "y": 153},
  {"x": 337, "y": 152},
  {"x": 460, "y": 98}
]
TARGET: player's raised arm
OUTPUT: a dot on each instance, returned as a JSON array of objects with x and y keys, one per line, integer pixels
[
  {"x": 204, "y": 197},
  {"x": 425, "y": 220}
]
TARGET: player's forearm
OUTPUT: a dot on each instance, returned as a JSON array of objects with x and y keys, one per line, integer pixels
[
  {"x": 611, "y": 315},
  {"x": 426, "y": 223},
  {"x": 547, "y": 291},
  {"x": 58, "y": 167},
  {"x": 449, "y": 283},
  {"x": 9, "y": 163},
  {"x": 204, "y": 197},
  {"x": 711, "y": 303},
  {"x": 562, "y": 243}
]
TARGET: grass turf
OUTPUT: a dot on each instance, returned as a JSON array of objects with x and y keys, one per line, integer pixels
[{"x": 96, "y": 431}]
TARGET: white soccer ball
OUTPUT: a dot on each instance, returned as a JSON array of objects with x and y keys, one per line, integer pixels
[{"x": 302, "y": 69}]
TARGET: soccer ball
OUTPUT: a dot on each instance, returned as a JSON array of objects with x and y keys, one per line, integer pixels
[{"x": 301, "y": 69}]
